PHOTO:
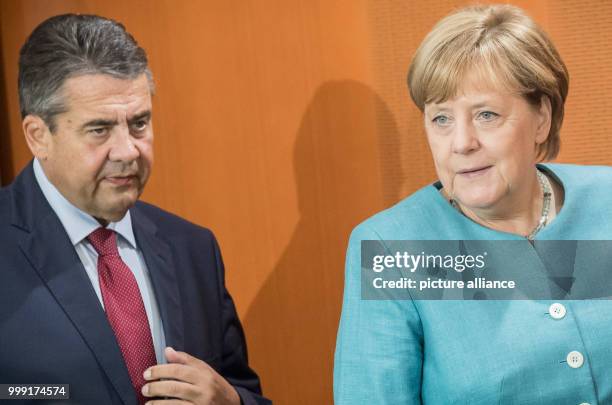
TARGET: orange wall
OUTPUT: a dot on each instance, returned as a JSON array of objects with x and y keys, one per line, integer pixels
[{"x": 280, "y": 124}]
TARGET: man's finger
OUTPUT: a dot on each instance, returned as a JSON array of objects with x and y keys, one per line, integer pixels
[
  {"x": 174, "y": 356},
  {"x": 171, "y": 388},
  {"x": 168, "y": 402},
  {"x": 173, "y": 371}
]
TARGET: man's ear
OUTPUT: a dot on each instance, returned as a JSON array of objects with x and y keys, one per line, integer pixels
[
  {"x": 544, "y": 120},
  {"x": 37, "y": 135}
]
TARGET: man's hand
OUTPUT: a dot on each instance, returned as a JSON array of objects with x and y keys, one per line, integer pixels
[{"x": 187, "y": 380}]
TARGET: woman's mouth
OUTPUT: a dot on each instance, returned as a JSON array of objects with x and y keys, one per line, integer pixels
[{"x": 474, "y": 172}]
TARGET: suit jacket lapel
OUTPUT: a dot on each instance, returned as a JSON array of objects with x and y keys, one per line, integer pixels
[
  {"x": 52, "y": 255},
  {"x": 158, "y": 257}
]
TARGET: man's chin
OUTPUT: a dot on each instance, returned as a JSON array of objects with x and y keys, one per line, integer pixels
[{"x": 115, "y": 212}]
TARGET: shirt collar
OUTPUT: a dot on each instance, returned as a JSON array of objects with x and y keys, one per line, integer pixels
[{"x": 77, "y": 223}]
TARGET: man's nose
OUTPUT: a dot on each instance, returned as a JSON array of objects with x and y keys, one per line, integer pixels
[
  {"x": 123, "y": 148},
  {"x": 465, "y": 139}
]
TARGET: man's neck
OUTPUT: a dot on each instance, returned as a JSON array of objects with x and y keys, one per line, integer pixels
[{"x": 102, "y": 222}]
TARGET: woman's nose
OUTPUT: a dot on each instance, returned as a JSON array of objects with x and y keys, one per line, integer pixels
[{"x": 465, "y": 139}]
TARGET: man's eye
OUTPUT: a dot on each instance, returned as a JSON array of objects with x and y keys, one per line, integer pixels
[
  {"x": 98, "y": 131},
  {"x": 488, "y": 115},
  {"x": 139, "y": 125}
]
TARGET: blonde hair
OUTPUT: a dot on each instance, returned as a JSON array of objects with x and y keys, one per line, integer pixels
[{"x": 501, "y": 46}]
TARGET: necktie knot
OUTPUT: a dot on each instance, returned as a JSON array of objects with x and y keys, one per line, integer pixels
[{"x": 104, "y": 241}]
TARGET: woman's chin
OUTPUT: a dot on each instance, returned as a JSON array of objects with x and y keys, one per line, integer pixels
[{"x": 478, "y": 201}]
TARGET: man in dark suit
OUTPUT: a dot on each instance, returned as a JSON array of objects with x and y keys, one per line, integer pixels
[{"x": 124, "y": 302}]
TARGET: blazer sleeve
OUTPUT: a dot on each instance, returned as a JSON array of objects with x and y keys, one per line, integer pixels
[
  {"x": 234, "y": 363},
  {"x": 379, "y": 348}
]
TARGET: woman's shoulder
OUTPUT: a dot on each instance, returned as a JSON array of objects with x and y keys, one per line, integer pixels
[
  {"x": 595, "y": 172},
  {"x": 581, "y": 179},
  {"x": 407, "y": 219}
]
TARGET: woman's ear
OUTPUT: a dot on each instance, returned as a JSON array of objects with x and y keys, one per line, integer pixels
[
  {"x": 544, "y": 114},
  {"x": 37, "y": 136}
]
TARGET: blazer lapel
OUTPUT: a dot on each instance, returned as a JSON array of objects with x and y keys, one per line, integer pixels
[
  {"x": 52, "y": 255},
  {"x": 158, "y": 257}
]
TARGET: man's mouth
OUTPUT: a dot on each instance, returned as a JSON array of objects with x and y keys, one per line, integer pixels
[{"x": 121, "y": 180}]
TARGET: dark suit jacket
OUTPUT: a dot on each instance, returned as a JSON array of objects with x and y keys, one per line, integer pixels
[{"x": 53, "y": 328}]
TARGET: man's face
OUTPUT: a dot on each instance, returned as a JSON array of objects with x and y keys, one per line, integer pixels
[{"x": 101, "y": 153}]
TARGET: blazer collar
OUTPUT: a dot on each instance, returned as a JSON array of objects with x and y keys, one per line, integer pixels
[{"x": 159, "y": 259}]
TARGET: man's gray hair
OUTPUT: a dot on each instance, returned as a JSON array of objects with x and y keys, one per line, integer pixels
[{"x": 71, "y": 45}]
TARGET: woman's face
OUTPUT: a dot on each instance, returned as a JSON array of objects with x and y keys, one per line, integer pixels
[{"x": 484, "y": 144}]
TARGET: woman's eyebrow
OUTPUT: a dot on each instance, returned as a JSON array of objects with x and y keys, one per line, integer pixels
[{"x": 436, "y": 109}]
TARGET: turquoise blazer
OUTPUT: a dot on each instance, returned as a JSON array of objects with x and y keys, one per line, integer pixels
[{"x": 477, "y": 352}]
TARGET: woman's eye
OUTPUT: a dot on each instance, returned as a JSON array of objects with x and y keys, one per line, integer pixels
[
  {"x": 440, "y": 120},
  {"x": 488, "y": 115}
]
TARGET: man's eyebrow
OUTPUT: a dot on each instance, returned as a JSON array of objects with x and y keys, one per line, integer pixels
[
  {"x": 145, "y": 115},
  {"x": 97, "y": 122},
  {"x": 100, "y": 122}
]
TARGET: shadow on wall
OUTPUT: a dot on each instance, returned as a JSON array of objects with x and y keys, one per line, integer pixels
[{"x": 341, "y": 180}]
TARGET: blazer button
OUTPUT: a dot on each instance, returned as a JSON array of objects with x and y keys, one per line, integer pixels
[
  {"x": 575, "y": 359},
  {"x": 557, "y": 311}
]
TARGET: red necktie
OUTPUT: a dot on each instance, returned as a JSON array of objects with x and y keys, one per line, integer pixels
[{"x": 124, "y": 308}]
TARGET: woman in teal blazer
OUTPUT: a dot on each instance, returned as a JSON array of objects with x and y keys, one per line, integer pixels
[{"x": 492, "y": 89}]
